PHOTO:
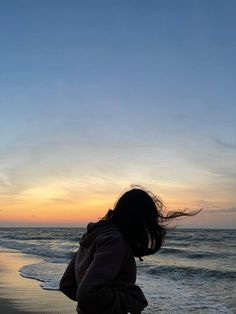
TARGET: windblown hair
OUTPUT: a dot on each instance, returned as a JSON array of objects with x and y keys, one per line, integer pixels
[{"x": 139, "y": 215}]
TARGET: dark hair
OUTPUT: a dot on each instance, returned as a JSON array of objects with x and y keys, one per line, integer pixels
[{"x": 138, "y": 214}]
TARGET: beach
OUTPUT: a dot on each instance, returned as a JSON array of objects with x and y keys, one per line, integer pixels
[
  {"x": 22, "y": 295},
  {"x": 193, "y": 273}
]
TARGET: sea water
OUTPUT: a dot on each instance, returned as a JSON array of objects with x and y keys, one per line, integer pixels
[{"x": 194, "y": 272}]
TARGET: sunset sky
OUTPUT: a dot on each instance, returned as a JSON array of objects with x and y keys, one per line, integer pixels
[{"x": 98, "y": 95}]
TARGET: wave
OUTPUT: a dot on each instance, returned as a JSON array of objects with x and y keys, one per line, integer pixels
[
  {"x": 47, "y": 234},
  {"x": 178, "y": 272},
  {"x": 48, "y": 274},
  {"x": 198, "y": 236},
  {"x": 49, "y": 251},
  {"x": 186, "y": 253}
]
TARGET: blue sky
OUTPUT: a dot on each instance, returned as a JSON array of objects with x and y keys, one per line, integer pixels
[{"x": 111, "y": 93}]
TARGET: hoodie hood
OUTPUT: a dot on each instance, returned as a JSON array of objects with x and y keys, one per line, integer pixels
[
  {"x": 94, "y": 229},
  {"x": 108, "y": 286}
]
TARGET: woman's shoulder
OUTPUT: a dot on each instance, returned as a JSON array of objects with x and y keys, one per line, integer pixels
[
  {"x": 110, "y": 236},
  {"x": 108, "y": 230}
]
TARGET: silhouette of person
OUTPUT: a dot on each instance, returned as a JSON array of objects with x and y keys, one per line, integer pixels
[{"x": 101, "y": 275}]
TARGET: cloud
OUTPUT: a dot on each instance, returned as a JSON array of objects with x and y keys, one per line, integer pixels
[
  {"x": 61, "y": 200},
  {"x": 225, "y": 144},
  {"x": 219, "y": 211},
  {"x": 4, "y": 181},
  {"x": 223, "y": 172}
]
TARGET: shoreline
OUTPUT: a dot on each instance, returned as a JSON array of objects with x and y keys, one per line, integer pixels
[{"x": 22, "y": 295}]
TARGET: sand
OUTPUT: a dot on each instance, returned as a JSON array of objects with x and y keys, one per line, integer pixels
[{"x": 19, "y": 295}]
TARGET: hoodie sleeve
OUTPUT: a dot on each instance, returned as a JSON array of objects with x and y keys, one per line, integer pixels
[
  {"x": 99, "y": 292},
  {"x": 68, "y": 283}
]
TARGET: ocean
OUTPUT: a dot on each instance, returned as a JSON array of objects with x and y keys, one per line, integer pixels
[{"x": 194, "y": 272}]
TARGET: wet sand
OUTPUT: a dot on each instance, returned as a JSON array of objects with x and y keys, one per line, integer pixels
[{"x": 19, "y": 295}]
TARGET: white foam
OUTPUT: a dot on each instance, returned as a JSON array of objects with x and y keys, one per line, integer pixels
[{"x": 167, "y": 296}]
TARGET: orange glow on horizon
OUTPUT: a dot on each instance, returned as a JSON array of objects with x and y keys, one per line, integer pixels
[{"x": 55, "y": 204}]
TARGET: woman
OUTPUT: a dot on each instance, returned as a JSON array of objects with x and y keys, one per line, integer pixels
[{"x": 102, "y": 273}]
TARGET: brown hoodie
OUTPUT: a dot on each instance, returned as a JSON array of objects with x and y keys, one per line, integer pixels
[{"x": 102, "y": 273}]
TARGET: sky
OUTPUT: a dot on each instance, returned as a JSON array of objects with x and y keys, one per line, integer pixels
[{"x": 96, "y": 96}]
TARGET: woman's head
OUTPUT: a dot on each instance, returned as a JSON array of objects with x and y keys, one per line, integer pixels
[
  {"x": 139, "y": 215},
  {"x": 137, "y": 206}
]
